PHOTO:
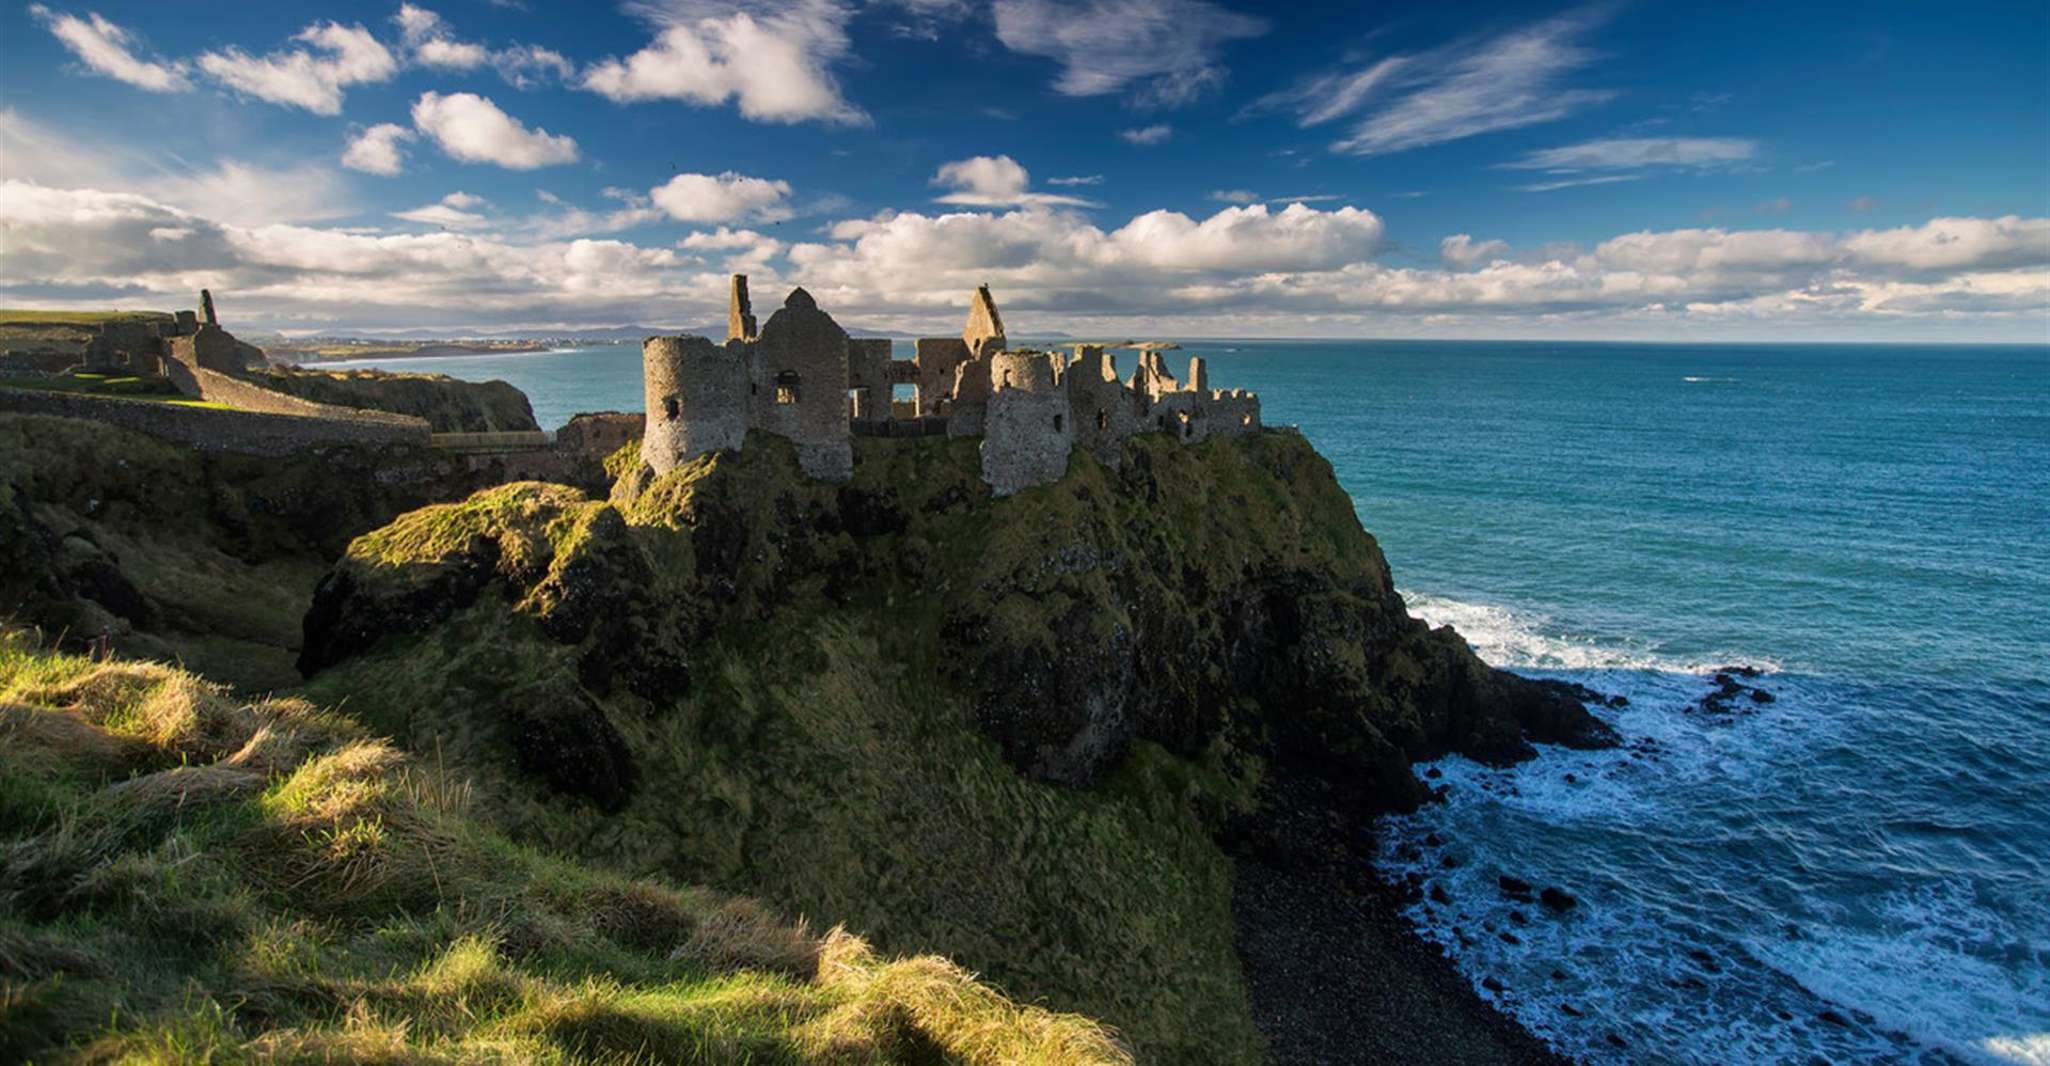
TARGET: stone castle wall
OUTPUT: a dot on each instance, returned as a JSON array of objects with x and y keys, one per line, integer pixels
[
  {"x": 805, "y": 380},
  {"x": 697, "y": 398},
  {"x": 870, "y": 379},
  {"x": 800, "y": 386}
]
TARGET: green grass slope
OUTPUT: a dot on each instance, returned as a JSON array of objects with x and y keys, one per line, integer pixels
[{"x": 190, "y": 878}]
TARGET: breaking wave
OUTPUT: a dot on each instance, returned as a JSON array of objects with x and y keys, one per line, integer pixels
[
  {"x": 1516, "y": 639},
  {"x": 1727, "y": 906}
]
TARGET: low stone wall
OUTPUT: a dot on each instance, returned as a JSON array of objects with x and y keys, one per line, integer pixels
[
  {"x": 600, "y": 433},
  {"x": 510, "y": 441},
  {"x": 899, "y": 427},
  {"x": 216, "y": 387},
  {"x": 211, "y": 429}
]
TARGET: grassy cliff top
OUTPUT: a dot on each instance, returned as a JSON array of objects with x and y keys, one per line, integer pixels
[
  {"x": 22, "y": 317},
  {"x": 185, "y": 877}
]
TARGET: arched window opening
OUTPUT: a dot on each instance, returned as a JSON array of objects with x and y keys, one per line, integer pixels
[
  {"x": 1057, "y": 423},
  {"x": 1007, "y": 379},
  {"x": 669, "y": 408},
  {"x": 1102, "y": 420},
  {"x": 786, "y": 387}
]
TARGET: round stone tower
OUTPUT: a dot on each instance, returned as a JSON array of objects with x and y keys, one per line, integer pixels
[
  {"x": 1030, "y": 371},
  {"x": 696, "y": 394}
]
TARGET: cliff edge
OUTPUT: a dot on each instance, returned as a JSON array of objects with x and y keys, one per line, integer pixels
[{"x": 1028, "y": 732}]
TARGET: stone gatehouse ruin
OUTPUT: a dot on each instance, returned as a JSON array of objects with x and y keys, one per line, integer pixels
[{"x": 803, "y": 378}]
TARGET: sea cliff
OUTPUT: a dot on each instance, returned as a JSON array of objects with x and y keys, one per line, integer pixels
[{"x": 1110, "y": 743}]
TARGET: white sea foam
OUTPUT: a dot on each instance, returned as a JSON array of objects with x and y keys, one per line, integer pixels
[
  {"x": 1517, "y": 639},
  {"x": 1909, "y": 975}
]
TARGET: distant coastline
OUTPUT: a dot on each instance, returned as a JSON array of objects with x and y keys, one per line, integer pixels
[{"x": 348, "y": 352}]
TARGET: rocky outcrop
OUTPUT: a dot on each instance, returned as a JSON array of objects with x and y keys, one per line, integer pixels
[
  {"x": 1027, "y": 730},
  {"x": 167, "y": 548},
  {"x": 1197, "y": 594},
  {"x": 448, "y": 405}
]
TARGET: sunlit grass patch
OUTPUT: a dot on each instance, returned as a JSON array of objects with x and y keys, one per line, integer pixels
[{"x": 265, "y": 884}]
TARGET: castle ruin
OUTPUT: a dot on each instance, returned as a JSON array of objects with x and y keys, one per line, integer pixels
[{"x": 802, "y": 378}]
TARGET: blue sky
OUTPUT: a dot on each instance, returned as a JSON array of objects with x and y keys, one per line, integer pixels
[{"x": 1739, "y": 171}]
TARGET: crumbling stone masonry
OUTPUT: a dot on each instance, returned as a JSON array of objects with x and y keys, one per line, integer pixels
[{"x": 804, "y": 379}]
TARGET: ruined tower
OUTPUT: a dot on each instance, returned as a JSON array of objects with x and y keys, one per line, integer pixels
[
  {"x": 206, "y": 308},
  {"x": 696, "y": 398},
  {"x": 984, "y": 333},
  {"x": 740, "y": 316},
  {"x": 1027, "y": 429},
  {"x": 799, "y": 386}
]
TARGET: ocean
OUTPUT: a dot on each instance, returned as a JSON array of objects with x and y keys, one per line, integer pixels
[{"x": 1857, "y": 871}]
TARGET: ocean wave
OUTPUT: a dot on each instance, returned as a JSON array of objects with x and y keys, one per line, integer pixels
[
  {"x": 1707, "y": 906},
  {"x": 1517, "y": 639},
  {"x": 1702, "y": 380}
]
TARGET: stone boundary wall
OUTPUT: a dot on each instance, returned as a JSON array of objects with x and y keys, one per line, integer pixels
[
  {"x": 899, "y": 427},
  {"x": 210, "y": 429},
  {"x": 599, "y": 433},
  {"x": 504, "y": 440},
  {"x": 216, "y": 387}
]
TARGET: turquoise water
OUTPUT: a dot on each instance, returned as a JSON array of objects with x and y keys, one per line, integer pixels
[{"x": 1858, "y": 871}]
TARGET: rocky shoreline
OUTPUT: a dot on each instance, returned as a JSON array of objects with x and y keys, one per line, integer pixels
[{"x": 1329, "y": 957}]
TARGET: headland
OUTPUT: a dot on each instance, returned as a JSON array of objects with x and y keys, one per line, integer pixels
[{"x": 1090, "y": 684}]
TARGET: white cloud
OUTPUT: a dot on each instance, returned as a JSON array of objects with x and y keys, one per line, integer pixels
[
  {"x": 724, "y": 239},
  {"x": 455, "y": 211},
  {"x": 1956, "y": 244},
  {"x": 376, "y": 150},
  {"x": 773, "y": 59},
  {"x": 1637, "y": 153},
  {"x": 432, "y": 42},
  {"x": 724, "y": 197},
  {"x": 742, "y": 251},
  {"x": 106, "y": 48},
  {"x": 1461, "y": 250},
  {"x": 312, "y": 78},
  {"x": 1235, "y": 196},
  {"x": 1472, "y": 87},
  {"x": 1163, "y": 51},
  {"x": 1038, "y": 258},
  {"x": 1077, "y": 179},
  {"x": 472, "y": 129},
  {"x": 526, "y": 66},
  {"x": 1239, "y": 271},
  {"x": 253, "y": 195},
  {"x": 80, "y": 238},
  {"x": 417, "y": 24},
  {"x": 232, "y": 190},
  {"x": 1147, "y": 135},
  {"x": 994, "y": 181},
  {"x": 451, "y": 55},
  {"x": 1571, "y": 183},
  {"x": 571, "y": 221}
]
